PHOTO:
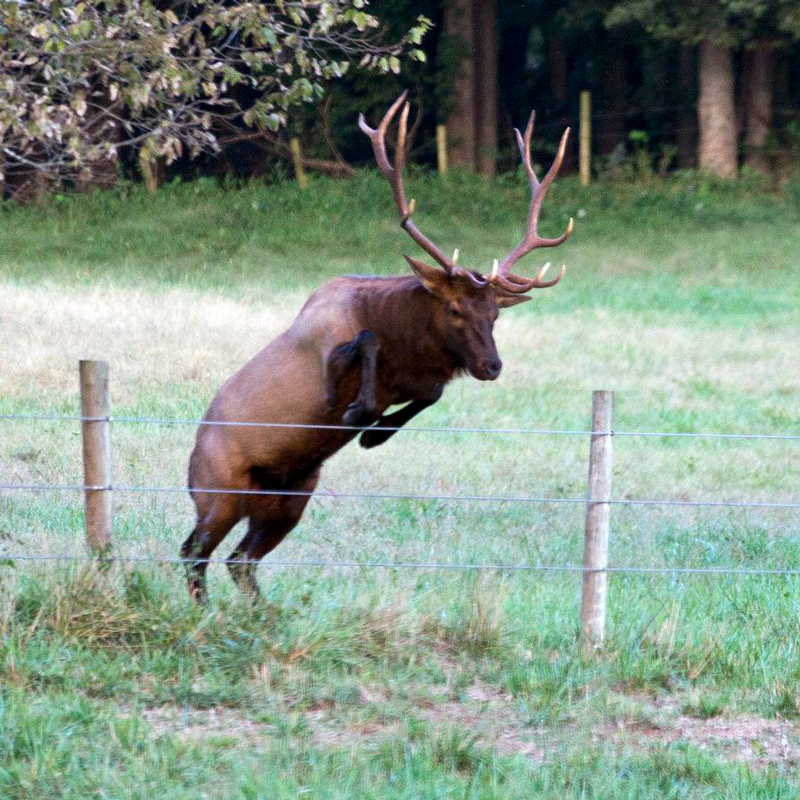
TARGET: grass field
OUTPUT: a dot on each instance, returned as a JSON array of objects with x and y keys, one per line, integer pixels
[{"x": 682, "y": 297}]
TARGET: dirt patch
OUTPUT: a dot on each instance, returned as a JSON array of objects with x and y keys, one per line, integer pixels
[
  {"x": 481, "y": 710},
  {"x": 754, "y": 740},
  {"x": 196, "y": 724},
  {"x": 489, "y": 714}
]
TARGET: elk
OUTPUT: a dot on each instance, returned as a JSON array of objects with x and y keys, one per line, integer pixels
[{"x": 358, "y": 346}]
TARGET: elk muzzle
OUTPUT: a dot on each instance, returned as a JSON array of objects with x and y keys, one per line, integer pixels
[{"x": 488, "y": 369}]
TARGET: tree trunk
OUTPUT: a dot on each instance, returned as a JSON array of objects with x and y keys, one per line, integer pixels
[
  {"x": 24, "y": 183},
  {"x": 612, "y": 122},
  {"x": 716, "y": 111},
  {"x": 514, "y": 95},
  {"x": 485, "y": 111},
  {"x": 758, "y": 106},
  {"x": 472, "y": 126},
  {"x": 28, "y": 186},
  {"x": 686, "y": 135},
  {"x": 781, "y": 81},
  {"x": 458, "y": 21},
  {"x": 558, "y": 69}
]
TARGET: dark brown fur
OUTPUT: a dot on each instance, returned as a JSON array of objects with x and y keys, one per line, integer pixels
[{"x": 358, "y": 346}]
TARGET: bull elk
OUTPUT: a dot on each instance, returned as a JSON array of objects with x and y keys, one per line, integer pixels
[{"x": 358, "y": 346}]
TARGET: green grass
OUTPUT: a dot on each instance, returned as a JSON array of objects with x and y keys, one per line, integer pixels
[
  {"x": 681, "y": 297},
  {"x": 119, "y": 758}
]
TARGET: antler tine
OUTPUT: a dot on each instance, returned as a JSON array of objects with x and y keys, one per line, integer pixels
[
  {"x": 517, "y": 285},
  {"x": 501, "y": 275},
  {"x": 539, "y": 195},
  {"x": 395, "y": 175},
  {"x": 378, "y": 138},
  {"x": 525, "y": 151},
  {"x": 400, "y": 150}
]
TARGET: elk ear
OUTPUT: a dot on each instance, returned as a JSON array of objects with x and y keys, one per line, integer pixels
[
  {"x": 432, "y": 278},
  {"x": 506, "y": 301}
]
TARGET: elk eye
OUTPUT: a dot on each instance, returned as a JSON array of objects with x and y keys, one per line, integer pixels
[{"x": 453, "y": 311}]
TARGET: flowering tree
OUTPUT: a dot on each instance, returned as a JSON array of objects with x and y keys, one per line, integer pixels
[{"x": 80, "y": 81}]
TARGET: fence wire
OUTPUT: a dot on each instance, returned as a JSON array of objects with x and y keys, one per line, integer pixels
[
  {"x": 329, "y": 493},
  {"x": 274, "y": 564},
  {"x": 409, "y": 428},
  {"x": 321, "y": 563}
]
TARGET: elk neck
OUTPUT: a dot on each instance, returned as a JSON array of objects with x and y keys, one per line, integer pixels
[{"x": 406, "y": 318}]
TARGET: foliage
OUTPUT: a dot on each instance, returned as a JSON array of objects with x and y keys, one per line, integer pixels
[
  {"x": 79, "y": 81},
  {"x": 430, "y": 80},
  {"x": 729, "y": 22}
]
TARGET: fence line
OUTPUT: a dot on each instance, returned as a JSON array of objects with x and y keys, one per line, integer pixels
[
  {"x": 271, "y": 564},
  {"x": 409, "y": 428},
  {"x": 98, "y": 485},
  {"x": 468, "y": 498}
]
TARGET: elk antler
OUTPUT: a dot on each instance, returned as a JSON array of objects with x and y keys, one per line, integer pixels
[
  {"x": 394, "y": 174},
  {"x": 501, "y": 276}
]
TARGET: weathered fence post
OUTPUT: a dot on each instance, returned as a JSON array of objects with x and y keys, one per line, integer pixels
[
  {"x": 149, "y": 170},
  {"x": 441, "y": 149},
  {"x": 96, "y": 431},
  {"x": 598, "y": 515},
  {"x": 297, "y": 159},
  {"x": 585, "y": 149}
]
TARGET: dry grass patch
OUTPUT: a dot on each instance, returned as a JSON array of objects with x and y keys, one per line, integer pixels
[{"x": 151, "y": 338}]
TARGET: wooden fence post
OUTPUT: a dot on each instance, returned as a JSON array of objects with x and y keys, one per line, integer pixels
[
  {"x": 441, "y": 149},
  {"x": 149, "y": 172},
  {"x": 297, "y": 159},
  {"x": 585, "y": 152},
  {"x": 598, "y": 516},
  {"x": 96, "y": 434}
]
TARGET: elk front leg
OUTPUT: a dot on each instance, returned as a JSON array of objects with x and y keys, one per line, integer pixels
[
  {"x": 397, "y": 419},
  {"x": 364, "y": 350}
]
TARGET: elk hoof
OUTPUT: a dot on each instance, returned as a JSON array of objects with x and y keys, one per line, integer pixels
[
  {"x": 197, "y": 591},
  {"x": 358, "y": 415}
]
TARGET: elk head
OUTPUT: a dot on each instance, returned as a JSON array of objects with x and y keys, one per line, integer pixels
[{"x": 469, "y": 300}]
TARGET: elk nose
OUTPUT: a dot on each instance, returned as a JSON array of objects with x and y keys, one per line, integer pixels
[{"x": 493, "y": 367}]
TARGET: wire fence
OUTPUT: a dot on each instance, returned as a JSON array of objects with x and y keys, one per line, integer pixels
[
  {"x": 420, "y": 565},
  {"x": 409, "y": 428},
  {"x": 474, "y": 498},
  {"x": 329, "y": 493},
  {"x": 161, "y": 421}
]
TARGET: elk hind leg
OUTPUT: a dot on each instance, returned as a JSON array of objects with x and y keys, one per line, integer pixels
[
  {"x": 271, "y": 519},
  {"x": 212, "y": 527}
]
